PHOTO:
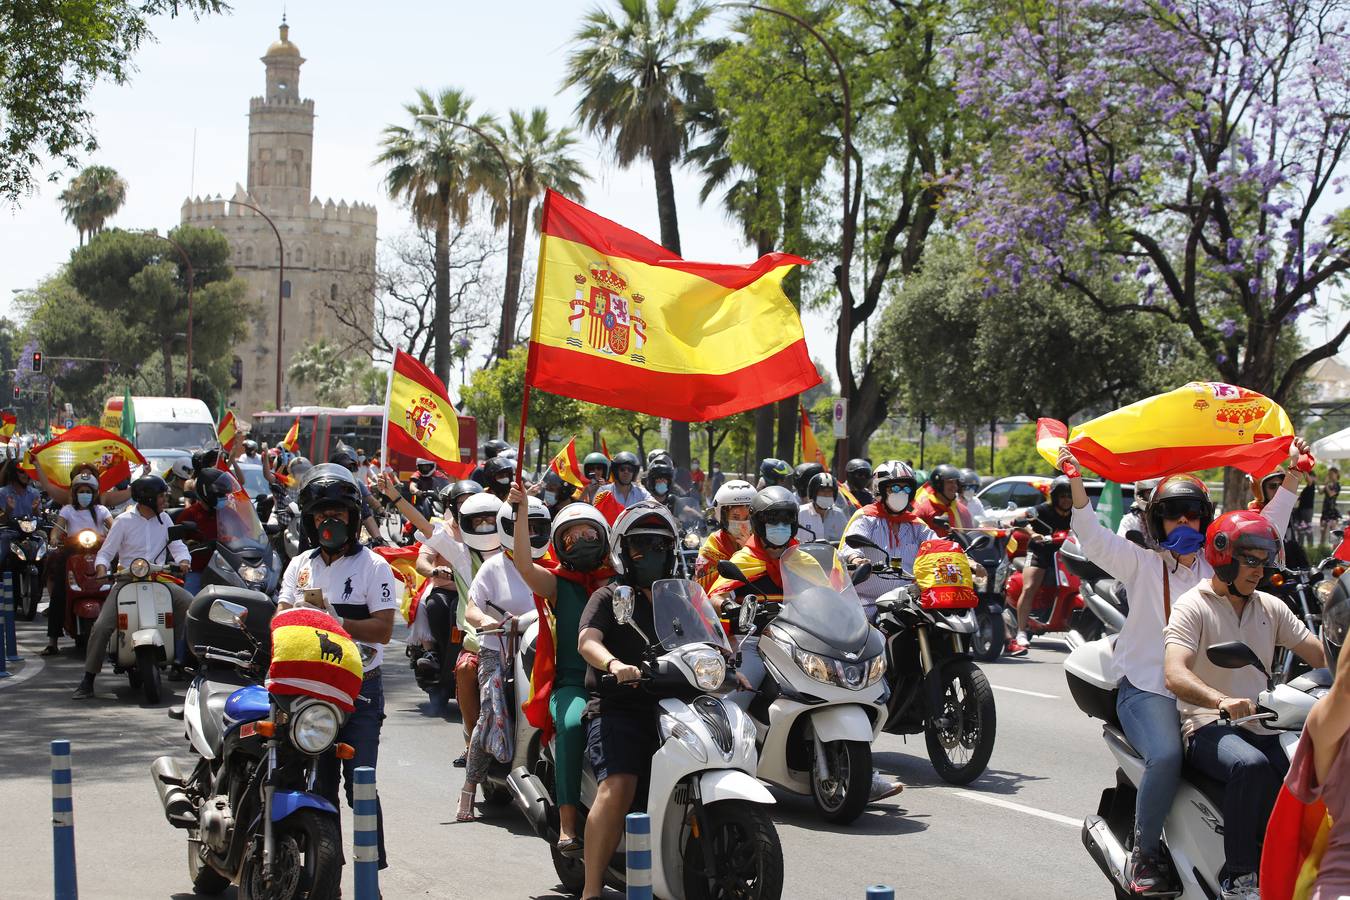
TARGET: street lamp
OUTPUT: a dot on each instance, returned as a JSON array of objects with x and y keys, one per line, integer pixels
[
  {"x": 191, "y": 278},
  {"x": 281, "y": 286},
  {"x": 842, "y": 361}
]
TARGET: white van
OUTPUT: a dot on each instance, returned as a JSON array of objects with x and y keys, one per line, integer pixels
[{"x": 164, "y": 423}]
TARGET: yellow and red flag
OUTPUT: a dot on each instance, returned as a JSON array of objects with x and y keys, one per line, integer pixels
[
  {"x": 1297, "y": 836},
  {"x": 604, "y": 447},
  {"x": 420, "y": 420},
  {"x": 810, "y": 449},
  {"x": 942, "y": 572},
  {"x": 228, "y": 432},
  {"x": 292, "y": 438},
  {"x": 313, "y": 656},
  {"x": 623, "y": 322},
  {"x": 403, "y": 560},
  {"x": 1202, "y": 425},
  {"x": 112, "y": 455},
  {"x": 568, "y": 466},
  {"x": 8, "y": 423}
]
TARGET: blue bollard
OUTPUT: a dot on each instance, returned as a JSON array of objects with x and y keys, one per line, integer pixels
[
  {"x": 63, "y": 824},
  {"x": 365, "y": 835},
  {"x": 880, "y": 892},
  {"x": 11, "y": 636},
  {"x": 638, "y": 844}
]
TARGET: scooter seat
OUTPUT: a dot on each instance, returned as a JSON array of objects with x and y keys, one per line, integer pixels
[
  {"x": 1212, "y": 788},
  {"x": 211, "y": 696}
]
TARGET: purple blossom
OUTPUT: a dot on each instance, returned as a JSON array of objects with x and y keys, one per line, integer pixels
[{"x": 1228, "y": 328}]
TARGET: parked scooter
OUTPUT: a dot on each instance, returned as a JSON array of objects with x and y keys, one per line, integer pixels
[
  {"x": 27, "y": 556},
  {"x": 85, "y": 591},
  {"x": 936, "y": 689},
  {"x": 143, "y": 644},
  {"x": 711, "y": 834},
  {"x": 822, "y": 700},
  {"x": 1105, "y": 606},
  {"x": 1193, "y": 830},
  {"x": 248, "y": 804}
]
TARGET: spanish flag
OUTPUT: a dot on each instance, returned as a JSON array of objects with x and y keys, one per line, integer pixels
[
  {"x": 403, "y": 560},
  {"x": 228, "y": 432},
  {"x": 313, "y": 656},
  {"x": 420, "y": 420},
  {"x": 1202, "y": 425},
  {"x": 292, "y": 438},
  {"x": 110, "y": 454},
  {"x": 567, "y": 467},
  {"x": 810, "y": 449},
  {"x": 8, "y": 422},
  {"x": 623, "y": 322},
  {"x": 942, "y": 572}
]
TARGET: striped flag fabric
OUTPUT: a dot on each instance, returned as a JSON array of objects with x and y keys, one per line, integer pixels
[
  {"x": 111, "y": 454},
  {"x": 420, "y": 420},
  {"x": 292, "y": 438},
  {"x": 313, "y": 656},
  {"x": 568, "y": 467},
  {"x": 810, "y": 448},
  {"x": 228, "y": 432}
]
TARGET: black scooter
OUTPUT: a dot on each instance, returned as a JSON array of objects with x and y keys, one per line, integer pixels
[{"x": 27, "y": 556}]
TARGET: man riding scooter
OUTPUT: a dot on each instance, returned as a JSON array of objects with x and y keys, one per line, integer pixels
[{"x": 1055, "y": 514}]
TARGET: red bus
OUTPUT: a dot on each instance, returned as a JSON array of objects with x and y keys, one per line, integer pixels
[{"x": 359, "y": 427}]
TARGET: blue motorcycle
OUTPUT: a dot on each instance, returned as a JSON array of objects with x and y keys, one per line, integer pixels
[{"x": 249, "y": 804}]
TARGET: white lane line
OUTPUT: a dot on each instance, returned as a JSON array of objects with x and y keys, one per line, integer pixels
[
  {"x": 1018, "y": 807},
  {"x": 999, "y": 687},
  {"x": 32, "y": 664}
]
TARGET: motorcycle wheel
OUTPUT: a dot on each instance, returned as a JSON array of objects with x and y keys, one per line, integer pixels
[
  {"x": 308, "y": 861},
  {"x": 147, "y": 672},
  {"x": 843, "y": 798},
  {"x": 746, "y": 845},
  {"x": 30, "y": 595},
  {"x": 960, "y": 735},
  {"x": 206, "y": 881},
  {"x": 988, "y": 642}
]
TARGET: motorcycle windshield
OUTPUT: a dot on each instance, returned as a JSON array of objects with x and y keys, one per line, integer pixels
[
  {"x": 684, "y": 615},
  {"x": 237, "y": 524},
  {"x": 821, "y": 602}
]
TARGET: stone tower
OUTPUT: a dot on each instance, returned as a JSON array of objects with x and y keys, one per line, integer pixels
[{"x": 326, "y": 289}]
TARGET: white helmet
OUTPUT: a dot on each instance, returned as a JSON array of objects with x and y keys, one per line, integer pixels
[
  {"x": 1143, "y": 488},
  {"x": 480, "y": 508},
  {"x": 732, "y": 493},
  {"x": 180, "y": 469},
  {"x": 572, "y": 514},
  {"x": 644, "y": 517},
  {"x": 538, "y": 525}
]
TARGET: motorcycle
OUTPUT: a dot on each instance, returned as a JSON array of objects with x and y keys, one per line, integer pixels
[
  {"x": 285, "y": 529},
  {"x": 1054, "y": 608},
  {"x": 28, "y": 553},
  {"x": 143, "y": 645},
  {"x": 1193, "y": 830},
  {"x": 711, "y": 834},
  {"x": 85, "y": 592},
  {"x": 248, "y": 805},
  {"x": 1303, "y": 591},
  {"x": 822, "y": 700},
  {"x": 241, "y": 556},
  {"x": 936, "y": 689},
  {"x": 694, "y": 528}
]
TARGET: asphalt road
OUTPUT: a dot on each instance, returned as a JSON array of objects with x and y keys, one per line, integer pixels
[{"x": 1012, "y": 834}]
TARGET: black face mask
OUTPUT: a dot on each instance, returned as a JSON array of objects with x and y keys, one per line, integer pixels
[
  {"x": 649, "y": 569},
  {"x": 585, "y": 555},
  {"x": 333, "y": 534}
]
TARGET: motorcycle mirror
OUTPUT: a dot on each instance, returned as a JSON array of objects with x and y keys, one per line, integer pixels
[
  {"x": 1234, "y": 655},
  {"x": 980, "y": 542},
  {"x": 858, "y": 542},
  {"x": 622, "y": 604},
  {"x": 223, "y": 612},
  {"x": 730, "y": 571},
  {"x": 749, "y": 609},
  {"x": 862, "y": 573}
]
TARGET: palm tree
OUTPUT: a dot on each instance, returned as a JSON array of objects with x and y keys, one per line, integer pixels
[
  {"x": 540, "y": 158},
  {"x": 437, "y": 168},
  {"x": 637, "y": 74},
  {"x": 93, "y": 197}
]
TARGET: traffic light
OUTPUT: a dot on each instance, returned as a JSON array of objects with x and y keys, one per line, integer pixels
[
  {"x": 37, "y": 360},
  {"x": 16, "y": 392}
]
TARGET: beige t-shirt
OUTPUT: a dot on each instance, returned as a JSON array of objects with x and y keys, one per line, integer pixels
[{"x": 1201, "y": 618}]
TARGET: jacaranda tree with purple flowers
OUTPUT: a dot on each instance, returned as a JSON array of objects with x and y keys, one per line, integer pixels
[{"x": 1199, "y": 141}]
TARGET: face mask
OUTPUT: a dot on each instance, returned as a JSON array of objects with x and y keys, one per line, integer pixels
[
  {"x": 83, "y": 499},
  {"x": 550, "y": 498},
  {"x": 650, "y": 568},
  {"x": 332, "y": 534},
  {"x": 824, "y": 503},
  {"x": 777, "y": 535},
  {"x": 585, "y": 555},
  {"x": 740, "y": 530},
  {"x": 504, "y": 481},
  {"x": 896, "y": 503},
  {"x": 1183, "y": 541},
  {"x": 660, "y": 488}
]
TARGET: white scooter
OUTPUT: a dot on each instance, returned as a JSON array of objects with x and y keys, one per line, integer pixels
[
  {"x": 144, "y": 643},
  {"x": 711, "y": 834},
  {"x": 1193, "y": 830},
  {"x": 823, "y": 698}
]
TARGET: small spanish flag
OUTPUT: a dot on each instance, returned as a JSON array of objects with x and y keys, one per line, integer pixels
[
  {"x": 8, "y": 423},
  {"x": 109, "y": 453},
  {"x": 292, "y": 438},
  {"x": 810, "y": 449},
  {"x": 420, "y": 420},
  {"x": 228, "y": 432},
  {"x": 313, "y": 656},
  {"x": 567, "y": 467}
]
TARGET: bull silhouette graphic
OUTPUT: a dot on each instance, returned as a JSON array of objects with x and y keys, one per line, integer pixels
[{"x": 329, "y": 649}]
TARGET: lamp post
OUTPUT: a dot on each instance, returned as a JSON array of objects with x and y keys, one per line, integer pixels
[
  {"x": 191, "y": 278},
  {"x": 281, "y": 283},
  {"x": 842, "y": 361}
]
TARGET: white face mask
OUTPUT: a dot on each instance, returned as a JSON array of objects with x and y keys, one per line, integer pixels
[
  {"x": 823, "y": 502},
  {"x": 740, "y": 530},
  {"x": 83, "y": 499},
  {"x": 896, "y": 503}
]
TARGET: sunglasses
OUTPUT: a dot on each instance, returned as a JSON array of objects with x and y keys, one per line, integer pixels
[
  {"x": 1251, "y": 562},
  {"x": 898, "y": 489},
  {"x": 650, "y": 543},
  {"x": 485, "y": 523},
  {"x": 1173, "y": 510}
]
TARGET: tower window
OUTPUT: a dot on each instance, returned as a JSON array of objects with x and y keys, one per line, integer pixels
[
  {"x": 286, "y": 288},
  {"x": 237, "y": 374},
  {"x": 282, "y": 85},
  {"x": 332, "y": 292}
]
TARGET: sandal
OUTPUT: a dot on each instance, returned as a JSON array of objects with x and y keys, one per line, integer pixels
[
  {"x": 570, "y": 848},
  {"x": 462, "y": 760},
  {"x": 470, "y": 815}
]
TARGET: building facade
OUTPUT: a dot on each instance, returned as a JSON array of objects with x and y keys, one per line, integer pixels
[{"x": 323, "y": 286}]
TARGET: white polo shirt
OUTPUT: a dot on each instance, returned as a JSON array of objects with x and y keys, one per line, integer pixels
[{"x": 354, "y": 587}]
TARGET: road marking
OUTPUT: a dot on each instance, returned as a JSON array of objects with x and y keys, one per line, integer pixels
[
  {"x": 999, "y": 687},
  {"x": 32, "y": 664},
  {"x": 1018, "y": 807}
]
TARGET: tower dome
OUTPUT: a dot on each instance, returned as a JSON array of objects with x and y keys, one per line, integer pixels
[{"x": 283, "y": 46}]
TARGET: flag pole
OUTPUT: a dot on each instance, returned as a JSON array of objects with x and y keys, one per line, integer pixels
[
  {"x": 388, "y": 395},
  {"x": 524, "y": 418}
]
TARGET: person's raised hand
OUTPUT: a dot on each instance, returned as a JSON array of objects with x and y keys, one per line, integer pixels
[
  {"x": 1068, "y": 463},
  {"x": 516, "y": 495}
]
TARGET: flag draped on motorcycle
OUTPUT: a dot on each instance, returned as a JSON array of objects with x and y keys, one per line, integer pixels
[{"x": 313, "y": 656}]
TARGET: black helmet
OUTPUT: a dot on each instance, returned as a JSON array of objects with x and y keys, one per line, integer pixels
[
  {"x": 453, "y": 493},
  {"x": 344, "y": 457},
  {"x": 330, "y": 485},
  {"x": 1060, "y": 485},
  {"x": 858, "y": 472},
  {"x": 775, "y": 505},
  {"x": 819, "y": 482},
  {"x": 205, "y": 458},
  {"x": 1173, "y": 494},
  {"x": 944, "y": 472},
  {"x": 622, "y": 459},
  {"x": 660, "y": 470},
  {"x": 214, "y": 485},
  {"x": 492, "y": 448},
  {"x": 1335, "y": 618},
  {"x": 147, "y": 489},
  {"x": 498, "y": 467},
  {"x": 774, "y": 471},
  {"x": 594, "y": 460},
  {"x": 802, "y": 475},
  {"x": 250, "y": 446},
  {"x": 970, "y": 480}
]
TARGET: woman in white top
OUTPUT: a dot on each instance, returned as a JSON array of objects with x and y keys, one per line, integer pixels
[{"x": 83, "y": 513}]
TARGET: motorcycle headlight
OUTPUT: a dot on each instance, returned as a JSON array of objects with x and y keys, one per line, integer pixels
[
  {"x": 18, "y": 551},
  {"x": 315, "y": 728},
  {"x": 140, "y": 568},
  {"x": 691, "y": 541},
  {"x": 253, "y": 574},
  {"x": 86, "y": 538},
  {"x": 876, "y": 668},
  {"x": 746, "y": 727},
  {"x": 27, "y": 526},
  {"x": 1324, "y": 590},
  {"x": 710, "y": 669},
  {"x": 671, "y": 727},
  {"x": 815, "y": 666}
]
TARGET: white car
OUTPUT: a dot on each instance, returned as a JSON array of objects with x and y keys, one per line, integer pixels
[{"x": 1004, "y": 497}]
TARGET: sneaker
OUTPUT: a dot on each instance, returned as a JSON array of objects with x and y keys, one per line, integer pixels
[
  {"x": 85, "y": 690},
  {"x": 1143, "y": 873},
  {"x": 1023, "y": 639},
  {"x": 1017, "y": 647},
  {"x": 883, "y": 787},
  {"x": 428, "y": 665},
  {"x": 1243, "y": 887}
]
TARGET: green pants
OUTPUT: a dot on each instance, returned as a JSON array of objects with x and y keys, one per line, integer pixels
[{"x": 566, "y": 705}]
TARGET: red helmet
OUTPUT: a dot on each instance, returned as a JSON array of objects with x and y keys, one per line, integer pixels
[{"x": 1234, "y": 532}]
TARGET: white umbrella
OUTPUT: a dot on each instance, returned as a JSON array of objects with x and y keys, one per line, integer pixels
[{"x": 1333, "y": 446}]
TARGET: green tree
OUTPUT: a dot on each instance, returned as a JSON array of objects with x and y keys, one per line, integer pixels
[
  {"x": 437, "y": 168},
  {"x": 500, "y": 390},
  {"x": 52, "y": 54},
  {"x": 638, "y": 73},
  {"x": 541, "y": 158},
  {"x": 338, "y": 377},
  {"x": 94, "y": 196}
]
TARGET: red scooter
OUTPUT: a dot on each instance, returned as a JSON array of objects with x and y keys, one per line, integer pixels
[
  {"x": 1057, "y": 601},
  {"x": 85, "y": 594}
]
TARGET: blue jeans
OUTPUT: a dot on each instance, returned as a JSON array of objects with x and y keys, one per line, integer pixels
[
  {"x": 1153, "y": 727},
  {"x": 362, "y": 731},
  {"x": 1252, "y": 766}
]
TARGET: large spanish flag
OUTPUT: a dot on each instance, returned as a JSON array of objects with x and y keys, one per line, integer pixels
[
  {"x": 420, "y": 420},
  {"x": 1202, "y": 425},
  {"x": 623, "y": 322},
  {"x": 112, "y": 455},
  {"x": 568, "y": 468}
]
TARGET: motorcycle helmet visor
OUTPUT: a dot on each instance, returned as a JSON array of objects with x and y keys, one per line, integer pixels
[
  {"x": 1174, "y": 508},
  {"x": 480, "y": 523},
  {"x": 779, "y": 517},
  {"x": 540, "y": 532},
  {"x": 581, "y": 531},
  {"x": 647, "y": 542}
]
